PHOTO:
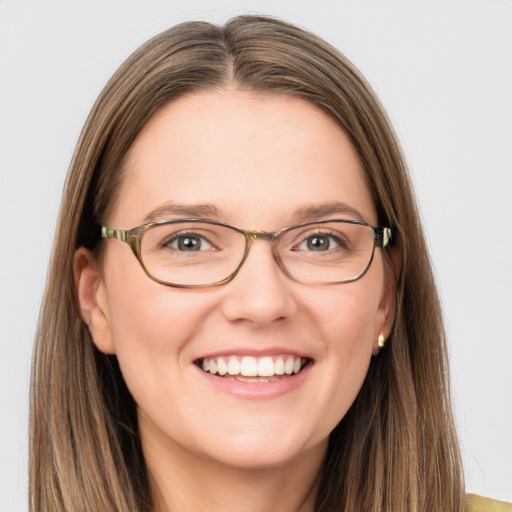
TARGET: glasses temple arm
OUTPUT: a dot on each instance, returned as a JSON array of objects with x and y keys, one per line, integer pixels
[
  {"x": 118, "y": 234},
  {"x": 382, "y": 237}
]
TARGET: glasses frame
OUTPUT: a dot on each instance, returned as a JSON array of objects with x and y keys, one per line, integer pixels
[{"x": 382, "y": 236}]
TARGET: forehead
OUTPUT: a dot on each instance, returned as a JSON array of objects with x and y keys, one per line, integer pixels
[{"x": 255, "y": 158}]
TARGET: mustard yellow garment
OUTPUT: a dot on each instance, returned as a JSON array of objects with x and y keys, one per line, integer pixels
[{"x": 480, "y": 504}]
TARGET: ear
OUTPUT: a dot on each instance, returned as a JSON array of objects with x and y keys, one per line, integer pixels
[
  {"x": 387, "y": 306},
  {"x": 92, "y": 301}
]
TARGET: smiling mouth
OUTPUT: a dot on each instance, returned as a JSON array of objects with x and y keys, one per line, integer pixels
[{"x": 253, "y": 369}]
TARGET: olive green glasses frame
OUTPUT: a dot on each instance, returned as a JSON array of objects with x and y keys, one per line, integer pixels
[{"x": 198, "y": 253}]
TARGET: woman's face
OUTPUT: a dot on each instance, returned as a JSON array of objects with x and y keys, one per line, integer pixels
[{"x": 256, "y": 162}]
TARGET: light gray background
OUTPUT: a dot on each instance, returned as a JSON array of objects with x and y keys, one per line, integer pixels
[{"x": 443, "y": 69}]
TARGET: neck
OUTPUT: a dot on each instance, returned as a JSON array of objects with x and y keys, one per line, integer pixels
[{"x": 185, "y": 482}]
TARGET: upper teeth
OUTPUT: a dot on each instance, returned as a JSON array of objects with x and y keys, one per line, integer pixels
[{"x": 249, "y": 366}]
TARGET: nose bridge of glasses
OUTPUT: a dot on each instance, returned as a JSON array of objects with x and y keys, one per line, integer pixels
[
  {"x": 252, "y": 236},
  {"x": 259, "y": 234}
]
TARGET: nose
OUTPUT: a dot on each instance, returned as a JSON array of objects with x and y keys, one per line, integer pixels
[{"x": 260, "y": 293}]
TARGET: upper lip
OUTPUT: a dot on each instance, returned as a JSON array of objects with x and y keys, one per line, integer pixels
[{"x": 274, "y": 351}]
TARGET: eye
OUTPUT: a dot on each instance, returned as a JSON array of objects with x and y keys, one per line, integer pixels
[
  {"x": 319, "y": 242},
  {"x": 188, "y": 242}
]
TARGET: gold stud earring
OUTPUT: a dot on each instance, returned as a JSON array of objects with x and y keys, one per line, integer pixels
[{"x": 381, "y": 340}]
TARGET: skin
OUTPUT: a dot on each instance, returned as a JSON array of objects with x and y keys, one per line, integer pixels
[{"x": 257, "y": 159}]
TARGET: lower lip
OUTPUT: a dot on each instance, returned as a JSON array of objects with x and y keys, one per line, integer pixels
[{"x": 257, "y": 390}]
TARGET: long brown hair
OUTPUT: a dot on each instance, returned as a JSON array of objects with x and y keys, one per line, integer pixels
[{"x": 396, "y": 448}]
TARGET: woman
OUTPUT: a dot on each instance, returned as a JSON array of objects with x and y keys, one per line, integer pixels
[{"x": 269, "y": 337}]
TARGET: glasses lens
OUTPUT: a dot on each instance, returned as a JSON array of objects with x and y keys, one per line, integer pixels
[
  {"x": 331, "y": 252},
  {"x": 191, "y": 253}
]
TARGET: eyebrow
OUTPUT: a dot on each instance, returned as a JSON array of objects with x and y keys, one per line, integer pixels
[
  {"x": 170, "y": 210},
  {"x": 209, "y": 211},
  {"x": 318, "y": 211}
]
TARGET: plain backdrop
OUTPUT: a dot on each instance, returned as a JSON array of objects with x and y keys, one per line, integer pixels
[{"x": 443, "y": 70}]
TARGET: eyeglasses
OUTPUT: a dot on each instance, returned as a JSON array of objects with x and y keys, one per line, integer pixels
[{"x": 197, "y": 253}]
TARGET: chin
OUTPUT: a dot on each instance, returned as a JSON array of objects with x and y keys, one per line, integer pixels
[{"x": 265, "y": 448}]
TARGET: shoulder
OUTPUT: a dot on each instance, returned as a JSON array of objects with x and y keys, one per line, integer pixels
[{"x": 480, "y": 504}]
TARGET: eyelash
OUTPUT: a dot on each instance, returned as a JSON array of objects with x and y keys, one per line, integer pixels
[
  {"x": 329, "y": 235},
  {"x": 181, "y": 235}
]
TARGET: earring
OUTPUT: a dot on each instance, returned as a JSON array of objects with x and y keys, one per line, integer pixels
[{"x": 381, "y": 340}]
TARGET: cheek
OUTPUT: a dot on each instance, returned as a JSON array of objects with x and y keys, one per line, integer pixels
[
  {"x": 142, "y": 311},
  {"x": 345, "y": 318},
  {"x": 347, "y": 330},
  {"x": 150, "y": 323},
  {"x": 155, "y": 322},
  {"x": 348, "y": 315}
]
